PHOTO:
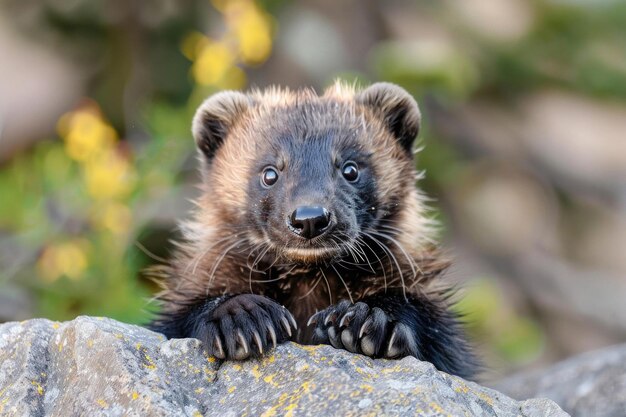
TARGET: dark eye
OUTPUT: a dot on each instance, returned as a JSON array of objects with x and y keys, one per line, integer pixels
[
  {"x": 350, "y": 171},
  {"x": 269, "y": 177}
]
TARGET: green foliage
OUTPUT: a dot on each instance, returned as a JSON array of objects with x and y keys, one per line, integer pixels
[{"x": 50, "y": 208}]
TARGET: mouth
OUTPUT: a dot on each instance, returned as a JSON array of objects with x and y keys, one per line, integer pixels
[{"x": 311, "y": 254}]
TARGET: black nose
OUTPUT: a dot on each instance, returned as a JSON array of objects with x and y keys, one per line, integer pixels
[{"x": 309, "y": 221}]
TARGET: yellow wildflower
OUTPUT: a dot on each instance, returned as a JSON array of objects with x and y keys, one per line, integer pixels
[
  {"x": 193, "y": 44},
  {"x": 114, "y": 217},
  {"x": 85, "y": 133},
  {"x": 65, "y": 259},
  {"x": 109, "y": 176},
  {"x": 213, "y": 63},
  {"x": 252, "y": 29}
]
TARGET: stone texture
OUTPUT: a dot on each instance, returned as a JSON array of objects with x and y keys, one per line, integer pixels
[
  {"x": 591, "y": 384},
  {"x": 94, "y": 366}
]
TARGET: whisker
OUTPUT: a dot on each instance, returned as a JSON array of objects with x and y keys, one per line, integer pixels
[
  {"x": 393, "y": 257},
  {"x": 196, "y": 259},
  {"x": 215, "y": 266},
  {"x": 330, "y": 296},
  {"x": 268, "y": 280},
  {"x": 251, "y": 267},
  {"x": 150, "y": 254},
  {"x": 312, "y": 288},
  {"x": 360, "y": 241},
  {"x": 344, "y": 283},
  {"x": 412, "y": 264}
]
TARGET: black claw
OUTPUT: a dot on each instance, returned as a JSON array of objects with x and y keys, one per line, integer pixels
[
  {"x": 285, "y": 324},
  {"x": 330, "y": 318},
  {"x": 246, "y": 326},
  {"x": 401, "y": 342},
  {"x": 272, "y": 332},
  {"x": 292, "y": 320},
  {"x": 314, "y": 318},
  {"x": 366, "y": 327},
  {"x": 257, "y": 339},
  {"x": 219, "y": 349},
  {"x": 243, "y": 342},
  {"x": 345, "y": 320}
]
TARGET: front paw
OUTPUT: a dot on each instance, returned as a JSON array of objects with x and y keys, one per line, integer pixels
[
  {"x": 244, "y": 326},
  {"x": 361, "y": 329}
]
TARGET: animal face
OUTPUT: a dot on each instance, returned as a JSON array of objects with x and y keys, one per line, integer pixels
[
  {"x": 303, "y": 176},
  {"x": 311, "y": 189}
]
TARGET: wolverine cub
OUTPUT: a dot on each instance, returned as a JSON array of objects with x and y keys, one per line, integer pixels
[{"x": 310, "y": 228}]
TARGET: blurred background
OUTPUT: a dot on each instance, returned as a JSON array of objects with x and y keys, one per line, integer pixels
[{"x": 524, "y": 134}]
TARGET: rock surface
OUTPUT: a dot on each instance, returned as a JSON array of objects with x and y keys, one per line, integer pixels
[
  {"x": 591, "y": 384},
  {"x": 93, "y": 366}
]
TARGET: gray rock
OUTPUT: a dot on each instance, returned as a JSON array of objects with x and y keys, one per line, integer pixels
[
  {"x": 591, "y": 384},
  {"x": 92, "y": 366}
]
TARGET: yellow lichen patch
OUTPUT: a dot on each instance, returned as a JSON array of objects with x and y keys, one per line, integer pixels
[
  {"x": 310, "y": 348},
  {"x": 89, "y": 343},
  {"x": 237, "y": 367},
  {"x": 270, "y": 380},
  {"x": 3, "y": 403},
  {"x": 272, "y": 411},
  {"x": 38, "y": 386},
  {"x": 462, "y": 389},
  {"x": 231, "y": 389},
  {"x": 56, "y": 325},
  {"x": 367, "y": 387},
  {"x": 197, "y": 414},
  {"x": 355, "y": 393},
  {"x": 211, "y": 359},
  {"x": 150, "y": 363},
  {"x": 138, "y": 346},
  {"x": 486, "y": 398},
  {"x": 289, "y": 409},
  {"x": 437, "y": 408},
  {"x": 102, "y": 403},
  {"x": 135, "y": 395},
  {"x": 255, "y": 371},
  {"x": 395, "y": 369},
  {"x": 199, "y": 390},
  {"x": 293, "y": 398}
]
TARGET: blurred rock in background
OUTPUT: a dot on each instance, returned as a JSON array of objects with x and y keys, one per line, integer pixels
[{"x": 524, "y": 146}]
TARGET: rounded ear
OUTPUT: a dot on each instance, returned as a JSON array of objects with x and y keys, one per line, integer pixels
[
  {"x": 215, "y": 118},
  {"x": 398, "y": 109}
]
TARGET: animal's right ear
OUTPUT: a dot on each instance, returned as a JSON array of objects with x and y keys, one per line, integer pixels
[{"x": 215, "y": 119}]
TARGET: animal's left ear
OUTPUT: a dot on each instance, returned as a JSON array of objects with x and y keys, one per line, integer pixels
[{"x": 398, "y": 109}]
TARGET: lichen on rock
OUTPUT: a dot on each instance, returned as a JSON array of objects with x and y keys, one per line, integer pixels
[{"x": 97, "y": 366}]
